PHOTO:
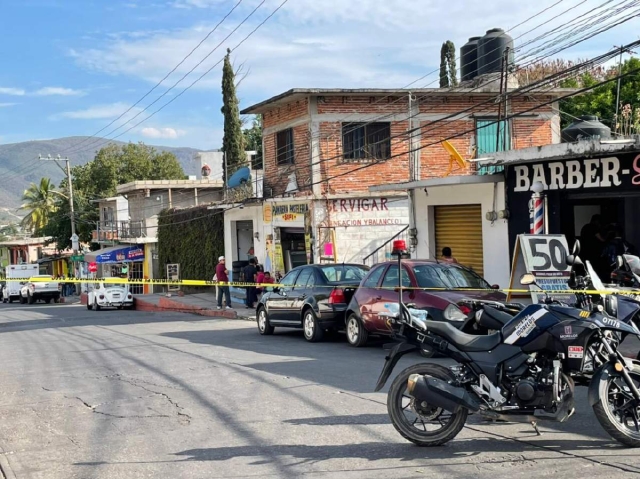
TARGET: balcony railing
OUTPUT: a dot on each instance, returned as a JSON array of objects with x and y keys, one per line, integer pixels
[{"x": 119, "y": 230}]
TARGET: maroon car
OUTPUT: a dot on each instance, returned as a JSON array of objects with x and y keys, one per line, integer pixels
[{"x": 380, "y": 287}]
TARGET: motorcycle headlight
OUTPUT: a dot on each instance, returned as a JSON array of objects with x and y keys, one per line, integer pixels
[{"x": 453, "y": 313}]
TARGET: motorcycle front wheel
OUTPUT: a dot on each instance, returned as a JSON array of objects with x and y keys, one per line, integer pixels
[
  {"x": 420, "y": 423},
  {"x": 617, "y": 411}
]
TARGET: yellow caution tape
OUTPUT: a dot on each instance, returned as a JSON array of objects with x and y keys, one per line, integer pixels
[{"x": 236, "y": 284}]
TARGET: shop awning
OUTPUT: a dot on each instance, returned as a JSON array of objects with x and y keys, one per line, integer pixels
[
  {"x": 116, "y": 254},
  {"x": 444, "y": 181}
]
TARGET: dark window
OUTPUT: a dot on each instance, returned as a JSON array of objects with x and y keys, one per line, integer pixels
[
  {"x": 303, "y": 280},
  {"x": 447, "y": 276},
  {"x": 371, "y": 141},
  {"x": 343, "y": 272},
  {"x": 256, "y": 161},
  {"x": 391, "y": 278},
  {"x": 289, "y": 279},
  {"x": 284, "y": 147},
  {"x": 373, "y": 279}
]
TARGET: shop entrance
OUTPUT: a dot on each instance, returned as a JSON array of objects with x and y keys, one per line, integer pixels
[
  {"x": 244, "y": 240},
  {"x": 459, "y": 227},
  {"x": 293, "y": 249}
]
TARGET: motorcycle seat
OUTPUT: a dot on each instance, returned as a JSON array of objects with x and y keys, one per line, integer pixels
[
  {"x": 463, "y": 341},
  {"x": 493, "y": 318}
]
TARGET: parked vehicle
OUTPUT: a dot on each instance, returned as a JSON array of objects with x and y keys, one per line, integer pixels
[
  {"x": 527, "y": 377},
  {"x": 109, "y": 295},
  {"x": 381, "y": 285},
  {"x": 17, "y": 274},
  {"x": 312, "y": 297},
  {"x": 44, "y": 289}
]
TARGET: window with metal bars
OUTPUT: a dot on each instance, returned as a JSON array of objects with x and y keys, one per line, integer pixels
[
  {"x": 284, "y": 147},
  {"x": 366, "y": 141}
]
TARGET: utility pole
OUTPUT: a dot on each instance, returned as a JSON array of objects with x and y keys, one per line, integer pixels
[{"x": 74, "y": 238}]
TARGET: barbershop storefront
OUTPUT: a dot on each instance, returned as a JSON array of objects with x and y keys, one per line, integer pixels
[{"x": 575, "y": 190}]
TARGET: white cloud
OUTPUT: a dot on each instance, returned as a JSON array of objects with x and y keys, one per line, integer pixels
[
  {"x": 60, "y": 91},
  {"x": 98, "y": 112},
  {"x": 167, "y": 133},
  {"x": 11, "y": 91},
  {"x": 5, "y": 105}
]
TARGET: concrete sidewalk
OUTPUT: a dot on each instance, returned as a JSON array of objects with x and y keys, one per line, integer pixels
[{"x": 203, "y": 304}]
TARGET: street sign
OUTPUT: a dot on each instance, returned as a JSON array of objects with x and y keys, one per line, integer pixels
[
  {"x": 74, "y": 237},
  {"x": 93, "y": 267},
  {"x": 77, "y": 257}
]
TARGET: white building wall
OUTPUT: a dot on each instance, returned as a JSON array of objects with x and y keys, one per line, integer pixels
[
  {"x": 495, "y": 236},
  {"x": 361, "y": 224},
  {"x": 248, "y": 213}
]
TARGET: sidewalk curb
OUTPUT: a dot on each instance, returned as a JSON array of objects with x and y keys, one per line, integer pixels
[{"x": 166, "y": 304}]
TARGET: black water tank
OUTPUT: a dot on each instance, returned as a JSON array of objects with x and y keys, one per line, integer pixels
[
  {"x": 586, "y": 128},
  {"x": 491, "y": 49},
  {"x": 469, "y": 59}
]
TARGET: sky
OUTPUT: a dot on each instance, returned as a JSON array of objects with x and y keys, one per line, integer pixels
[{"x": 72, "y": 67}]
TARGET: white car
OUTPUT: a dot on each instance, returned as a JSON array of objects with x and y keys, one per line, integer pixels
[
  {"x": 45, "y": 288},
  {"x": 109, "y": 295}
]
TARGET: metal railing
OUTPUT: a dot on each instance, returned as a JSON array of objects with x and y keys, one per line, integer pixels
[
  {"x": 383, "y": 252},
  {"x": 117, "y": 230}
]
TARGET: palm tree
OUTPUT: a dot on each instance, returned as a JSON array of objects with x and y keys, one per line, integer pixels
[{"x": 39, "y": 200}]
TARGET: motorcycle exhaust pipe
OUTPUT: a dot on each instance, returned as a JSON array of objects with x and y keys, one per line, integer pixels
[{"x": 438, "y": 393}]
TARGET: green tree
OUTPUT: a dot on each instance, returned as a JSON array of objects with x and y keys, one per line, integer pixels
[
  {"x": 39, "y": 202},
  {"x": 253, "y": 141},
  {"x": 448, "y": 75},
  {"x": 233, "y": 140},
  {"x": 113, "y": 165}
]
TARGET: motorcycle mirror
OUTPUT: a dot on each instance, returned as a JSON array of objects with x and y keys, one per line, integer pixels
[
  {"x": 576, "y": 248},
  {"x": 527, "y": 279}
]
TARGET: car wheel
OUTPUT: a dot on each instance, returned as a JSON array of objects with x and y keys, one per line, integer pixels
[
  {"x": 264, "y": 327},
  {"x": 89, "y": 306},
  {"x": 96, "y": 306},
  {"x": 22, "y": 300},
  {"x": 48, "y": 300},
  {"x": 356, "y": 334},
  {"x": 30, "y": 299},
  {"x": 312, "y": 330}
]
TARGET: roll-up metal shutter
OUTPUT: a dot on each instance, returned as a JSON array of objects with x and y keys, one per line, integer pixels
[{"x": 460, "y": 228}]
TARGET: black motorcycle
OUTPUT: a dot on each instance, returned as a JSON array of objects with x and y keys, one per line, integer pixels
[{"x": 521, "y": 373}]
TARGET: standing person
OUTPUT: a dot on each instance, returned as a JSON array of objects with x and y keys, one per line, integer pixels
[
  {"x": 446, "y": 256},
  {"x": 250, "y": 273},
  {"x": 259, "y": 279},
  {"x": 592, "y": 240},
  {"x": 222, "y": 275}
]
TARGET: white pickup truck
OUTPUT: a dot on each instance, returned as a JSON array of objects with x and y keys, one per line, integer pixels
[{"x": 44, "y": 288}]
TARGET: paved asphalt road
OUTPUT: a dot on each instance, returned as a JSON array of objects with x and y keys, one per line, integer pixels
[{"x": 115, "y": 394}]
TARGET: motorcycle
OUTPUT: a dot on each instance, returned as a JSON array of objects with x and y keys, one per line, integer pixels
[{"x": 521, "y": 373}]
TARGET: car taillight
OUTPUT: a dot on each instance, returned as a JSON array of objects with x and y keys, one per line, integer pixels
[
  {"x": 32, "y": 286},
  {"x": 337, "y": 296},
  {"x": 464, "y": 308}
]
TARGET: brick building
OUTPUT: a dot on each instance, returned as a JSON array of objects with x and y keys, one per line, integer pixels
[{"x": 329, "y": 149}]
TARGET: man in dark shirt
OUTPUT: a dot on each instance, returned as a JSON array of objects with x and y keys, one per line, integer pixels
[
  {"x": 222, "y": 276},
  {"x": 250, "y": 273}
]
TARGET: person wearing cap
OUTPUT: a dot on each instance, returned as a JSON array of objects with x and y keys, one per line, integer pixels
[{"x": 222, "y": 275}]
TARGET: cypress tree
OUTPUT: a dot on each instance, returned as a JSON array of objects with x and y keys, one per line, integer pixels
[
  {"x": 444, "y": 77},
  {"x": 233, "y": 140},
  {"x": 448, "y": 75}
]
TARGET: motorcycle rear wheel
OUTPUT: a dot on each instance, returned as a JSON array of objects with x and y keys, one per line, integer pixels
[
  {"x": 617, "y": 411},
  {"x": 416, "y": 431}
]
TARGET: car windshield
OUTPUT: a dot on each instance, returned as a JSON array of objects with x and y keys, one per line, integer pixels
[
  {"x": 114, "y": 285},
  {"x": 447, "y": 276},
  {"x": 343, "y": 272}
]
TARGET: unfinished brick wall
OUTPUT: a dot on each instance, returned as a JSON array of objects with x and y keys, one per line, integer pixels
[
  {"x": 276, "y": 177},
  {"x": 434, "y": 159},
  {"x": 529, "y": 132},
  {"x": 287, "y": 112},
  {"x": 363, "y": 104}
]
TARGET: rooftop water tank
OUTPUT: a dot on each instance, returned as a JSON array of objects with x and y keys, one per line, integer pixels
[
  {"x": 587, "y": 127},
  {"x": 469, "y": 59},
  {"x": 491, "y": 49}
]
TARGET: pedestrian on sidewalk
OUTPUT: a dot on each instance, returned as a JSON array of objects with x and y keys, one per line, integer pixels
[
  {"x": 446, "y": 256},
  {"x": 222, "y": 276},
  {"x": 250, "y": 273}
]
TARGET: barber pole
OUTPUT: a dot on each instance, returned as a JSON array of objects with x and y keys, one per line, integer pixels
[{"x": 538, "y": 215}]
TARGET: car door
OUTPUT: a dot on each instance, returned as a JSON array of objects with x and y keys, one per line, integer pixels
[
  {"x": 302, "y": 289},
  {"x": 278, "y": 301},
  {"x": 367, "y": 294},
  {"x": 388, "y": 293}
]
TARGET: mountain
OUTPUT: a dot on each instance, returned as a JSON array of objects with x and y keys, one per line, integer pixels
[{"x": 19, "y": 164}]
